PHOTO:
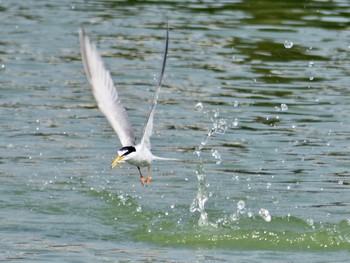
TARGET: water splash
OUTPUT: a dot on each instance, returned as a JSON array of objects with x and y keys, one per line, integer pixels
[
  {"x": 219, "y": 126},
  {"x": 265, "y": 214},
  {"x": 241, "y": 209},
  {"x": 202, "y": 196},
  {"x": 198, "y": 203}
]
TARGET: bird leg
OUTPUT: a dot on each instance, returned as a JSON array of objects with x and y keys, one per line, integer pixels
[
  {"x": 148, "y": 181},
  {"x": 142, "y": 179}
]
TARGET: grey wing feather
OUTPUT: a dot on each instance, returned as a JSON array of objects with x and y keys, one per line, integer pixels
[
  {"x": 148, "y": 128},
  {"x": 104, "y": 91}
]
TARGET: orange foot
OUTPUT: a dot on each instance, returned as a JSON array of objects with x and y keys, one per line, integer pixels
[
  {"x": 148, "y": 181},
  {"x": 142, "y": 179},
  {"x": 148, "y": 176}
]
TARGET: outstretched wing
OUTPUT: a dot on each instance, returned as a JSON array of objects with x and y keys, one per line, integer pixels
[
  {"x": 148, "y": 128},
  {"x": 104, "y": 91}
]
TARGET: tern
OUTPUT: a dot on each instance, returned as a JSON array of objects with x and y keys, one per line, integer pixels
[{"x": 106, "y": 96}]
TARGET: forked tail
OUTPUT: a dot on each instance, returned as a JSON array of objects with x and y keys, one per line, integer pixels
[{"x": 156, "y": 158}]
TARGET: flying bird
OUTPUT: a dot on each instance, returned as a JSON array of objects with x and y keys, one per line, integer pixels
[{"x": 108, "y": 101}]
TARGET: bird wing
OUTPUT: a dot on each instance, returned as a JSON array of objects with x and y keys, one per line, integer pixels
[
  {"x": 148, "y": 128},
  {"x": 104, "y": 91}
]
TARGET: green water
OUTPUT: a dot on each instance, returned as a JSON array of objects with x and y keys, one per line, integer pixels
[{"x": 255, "y": 103}]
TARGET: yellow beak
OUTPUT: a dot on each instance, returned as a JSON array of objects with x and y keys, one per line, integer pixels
[{"x": 117, "y": 160}]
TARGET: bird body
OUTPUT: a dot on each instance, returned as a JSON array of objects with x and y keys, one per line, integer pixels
[
  {"x": 140, "y": 157},
  {"x": 108, "y": 101}
]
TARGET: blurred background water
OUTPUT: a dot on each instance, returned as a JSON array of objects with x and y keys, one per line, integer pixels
[{"x": 255, "y": 101}]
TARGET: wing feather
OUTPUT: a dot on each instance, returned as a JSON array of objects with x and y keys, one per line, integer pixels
[
  {"x": 148, "y": 128},
  {"x": 104, "y": 91}
]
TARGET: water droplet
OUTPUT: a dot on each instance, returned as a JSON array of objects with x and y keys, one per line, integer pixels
[
  {"x": 220, "y": 126},
  {"x": 234, "y": 217},
  {"x": 310, "y": 222},
  {"x": 216, "y": 155},
  {"x": 198, "y": 152},
  {"x": 10, "y": 146},
  {"x": 240, "y": 205},
  {"x": 311, "y": 64},
  {"x": 139, "y": 209},
  {"x": 288, "y": 44},
  {"x": 284, "y": 107},
  {"x": 217, "y": 113},
  {"x": 311, "y": 78},
  {"x": 235, "y": 122},
  {"x": 275, "y": 200},
  {"x": 199, "y": 106},
  {"x": 235, "y": 104},
  {"x": 265, "y": 214}
]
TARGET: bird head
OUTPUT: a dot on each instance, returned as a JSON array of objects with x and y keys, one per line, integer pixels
[{"x": 123, "y": 155}]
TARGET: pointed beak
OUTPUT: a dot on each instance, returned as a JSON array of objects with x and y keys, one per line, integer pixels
[{"x": 117, "y": 160}]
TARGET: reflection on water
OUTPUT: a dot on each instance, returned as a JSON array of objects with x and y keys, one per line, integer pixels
[{"x": 255, "y": 100}]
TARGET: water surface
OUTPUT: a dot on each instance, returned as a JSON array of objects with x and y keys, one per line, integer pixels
[{"x": 255, "y": 101}]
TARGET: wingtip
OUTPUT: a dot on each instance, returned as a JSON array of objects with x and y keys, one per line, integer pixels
[{"x": 81, "y": 32}]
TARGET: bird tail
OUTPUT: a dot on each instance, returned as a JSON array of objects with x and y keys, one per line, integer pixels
[{"x": 156, "y": 158}]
